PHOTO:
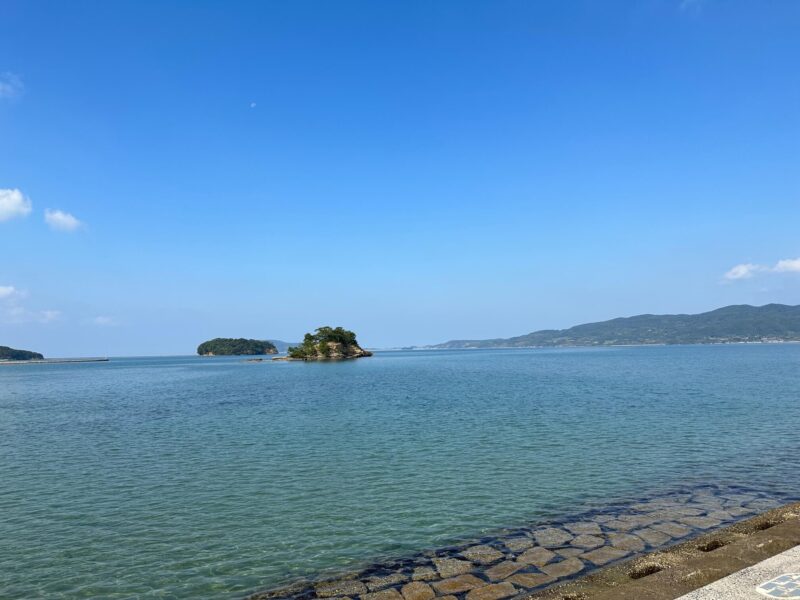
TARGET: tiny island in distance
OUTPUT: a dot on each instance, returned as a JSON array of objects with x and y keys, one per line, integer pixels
[
  {"x": 327, "y": 343},
  {"x": 236, "y": 347}
]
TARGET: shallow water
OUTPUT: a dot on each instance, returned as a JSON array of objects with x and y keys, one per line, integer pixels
[{"x": 190, "y": 477}]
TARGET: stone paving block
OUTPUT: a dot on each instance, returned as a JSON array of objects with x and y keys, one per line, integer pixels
[
  {"x": 668, "y": 514},
  {"x": 604, "y": 555},
  {"x": 739, "y": 511},
  {"x": 378, "y": 583},
  {"x": 566, "y": 567},
  {"x": 688, "y": 511},
  {"x": 603, "y": 518},
  {"x": 701, "y": 522},
  {"x": 762, "y": 504},
  {"x": 494, "y": 591},
  {"x": 642, "y": 520},
  {"x": 740, "y": 498},
  {"x": 518, "y": 544},
  {"x": 447, "y": 598},
  {"x": 720, "y": 515},
  {"x": 584, "y": 527},
  {"x": 450, "y": 567},
  {"x": 653, "y": 537},
  {"x": 457, "y": 585},
  {"x": 536, "y": 556},
  {"x": 483, "y": 555},
  {"x": 675, "y": 530},
  {"x": 649, "y": 506},
  {"x": 531, "y": 580},
  {"x": 329, "y": 589},
  {"x": 551, "y": 537},
  {"x": 417, "y": 590},
  {"x": 424, "y": 574},
  {"x": 569, "y": 552},
  {"x": 391, "y": 594},
  {"x": 587, "y": 541},
  {"x": 504, "y": 570},
  {"x": 626, "y": 541},
  {"x": 621, "y": 525}
]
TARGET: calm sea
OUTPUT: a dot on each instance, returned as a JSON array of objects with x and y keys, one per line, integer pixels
[{"x": 210, "y": 478}]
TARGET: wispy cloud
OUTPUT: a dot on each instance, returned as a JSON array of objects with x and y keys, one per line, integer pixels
[
  {"x": 691, "y": 5},
  {"x": 743, "y": 271},
  {"x": 787, "y": 265},
  {"x": 10, "y": 86},
  {"x": 748, "y": 270},
  {"x": 13, "y": 204},
  {"x": 103, "y": 321},
  {"x": 45, "y": 316},
  {"x": 7, "y": 291},
  {"x": 13, "y": 310},
  {"x": 61, "y": 221}
]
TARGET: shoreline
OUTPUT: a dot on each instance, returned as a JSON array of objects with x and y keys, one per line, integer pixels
[
  {"x": 523, "y": 561},
  {"x": 671, "y": 573}
]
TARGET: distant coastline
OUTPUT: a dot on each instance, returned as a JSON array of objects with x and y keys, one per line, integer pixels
[
  {"x": 737, "y": 324},
  {"x": 577, "y": 346}
]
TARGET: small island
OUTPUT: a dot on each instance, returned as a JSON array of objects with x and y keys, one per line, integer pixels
[
  {"x": 7, "y": 353},
  {"x": 236, "y": 347},
  {"x": 327, "y": 343}
]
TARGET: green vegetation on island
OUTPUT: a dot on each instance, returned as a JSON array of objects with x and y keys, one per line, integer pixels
[
  {"x": 328, "y": 343},
  {"x": 236, "y": 347},
  {"x": 7, "y": 353},
  {"x": 730, "y": 324}
]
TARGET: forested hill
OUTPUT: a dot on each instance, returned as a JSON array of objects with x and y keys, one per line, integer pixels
[
  {"x": 7, "y": 353},
  {"x": 235, "y": 347},
  {"x": 730, "y": 324}
]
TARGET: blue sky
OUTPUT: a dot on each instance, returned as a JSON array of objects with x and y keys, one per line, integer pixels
[{"x": 415, "y": 171}]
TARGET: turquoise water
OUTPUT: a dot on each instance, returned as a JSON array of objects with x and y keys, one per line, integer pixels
[{"x": 189, "y": 477}]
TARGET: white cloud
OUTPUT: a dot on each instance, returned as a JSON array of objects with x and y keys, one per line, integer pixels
[
  {"x": 7, "y": 291},
  {"x": 747, "y": 270},
  {"x": 16, "y": 314},
  {"x": 13, "y": 204},
  {"x": 46, "y": 316},
  {"x": 787, "y": 265},
  {"x": 103, "y": 321},
  {"x": 743, "y": 271},
  {"x": 10, "y": 85},
  {"x": 61, "y": 221}
]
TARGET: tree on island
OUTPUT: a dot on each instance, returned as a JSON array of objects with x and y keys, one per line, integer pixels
[
  {"x": 328, "y": 343},
  {"x": 236, "y": 347}
]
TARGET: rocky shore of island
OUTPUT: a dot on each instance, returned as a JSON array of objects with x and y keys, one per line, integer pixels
[{"x": 326, "y": 343}]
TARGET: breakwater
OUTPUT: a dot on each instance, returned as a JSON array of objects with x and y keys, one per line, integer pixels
[{"x": 52, "y": 361}]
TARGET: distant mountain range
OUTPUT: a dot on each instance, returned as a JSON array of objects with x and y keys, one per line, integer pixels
[{"x": 730, "y": 324}]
